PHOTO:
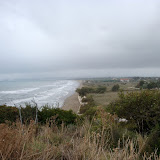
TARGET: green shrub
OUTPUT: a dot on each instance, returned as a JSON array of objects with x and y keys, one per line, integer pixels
[
  {"x": 153, "y": 141},
  {"x": 28, "y": 112},
  {"x": 57, "y": 114},
  {"x": 88, "y": 99},
  {"x": 148, "y": 85},
  {"x": 140, "y": 84},
  {"x": 152, "y": 85},
  {"x": 141, "y": 109},
  {"x": 90, "y": 112},
  {"x": 90, "y": 104},
  {"x": 8, "y": 113},
  {"x": 100, "y": 89},
  {"x": 85, "y": 90},
  {"x": 115, "y": 88}
]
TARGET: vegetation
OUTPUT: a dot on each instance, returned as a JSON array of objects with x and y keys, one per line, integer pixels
[
  {"x": 60, "y": 116},
  {"x": 141, "y": 109},
  {"x": 148, "y": 85},
  {"x": 8, "y": 113},
  {"x": 85, "y": 90},
  {"x": 140, "y": 84},
  {"x": 96, "y": 140},
  {"x": 138, "y": 109},
  {"x": 89, "y": 108},
  {"x": 115, "y": 88},
  {"x": 98, "y": 133},
  {"x": 45, "y": 114}
]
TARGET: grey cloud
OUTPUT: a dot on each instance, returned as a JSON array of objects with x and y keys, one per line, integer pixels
[{"x": 81, "y": 37}]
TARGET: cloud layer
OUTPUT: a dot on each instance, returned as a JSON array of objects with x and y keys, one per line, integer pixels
[{"x": 80, "y": 38}]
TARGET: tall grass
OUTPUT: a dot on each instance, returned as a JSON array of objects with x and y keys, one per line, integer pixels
[{"x": 84, "y": 142}]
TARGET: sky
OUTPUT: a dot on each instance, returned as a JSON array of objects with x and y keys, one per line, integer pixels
[{"x": 79, "y": 38}]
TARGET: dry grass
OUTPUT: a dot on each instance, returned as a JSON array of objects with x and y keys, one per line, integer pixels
[
  {"x": 68, "y": 143},
  {"x": 104, "y": 99},
  {"x": 109, "y": 85},
  {"x": 109, "y": 96}
]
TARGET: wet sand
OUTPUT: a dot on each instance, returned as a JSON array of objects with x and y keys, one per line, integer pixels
[{"x": 72, "y": 102}]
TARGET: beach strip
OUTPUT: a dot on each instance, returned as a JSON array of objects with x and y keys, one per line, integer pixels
[{"x": 72, "y": 102}]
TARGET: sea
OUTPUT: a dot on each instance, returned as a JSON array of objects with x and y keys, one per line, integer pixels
[{"x": 42, "y": 92}]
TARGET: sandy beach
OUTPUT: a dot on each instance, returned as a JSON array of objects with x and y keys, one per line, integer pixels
[{"x": 72, "y": 102}]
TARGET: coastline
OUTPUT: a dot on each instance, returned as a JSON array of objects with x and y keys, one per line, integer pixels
[{"x": 72, "y": 102}]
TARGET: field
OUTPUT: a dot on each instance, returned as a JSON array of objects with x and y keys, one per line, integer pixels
[
  {"x": 104, "y": 99},
  {"x": 109, "y": 96}
]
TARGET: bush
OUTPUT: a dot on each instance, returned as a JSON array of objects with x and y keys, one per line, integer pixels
[
  {"x": 152, "y": 85},
  {"x": 100, "y": 89},
  {"x": 153, "y": 141},
  {"x": 45, "y": 114},
  {"x": 8, "y": 114},
  {"x": 85, "y": 90},
  {"x": 88, "y": 99},
  {"x": 148, "y": 85},
  {"x": 28, "y": 113},
  {"x": 90, "y": 104},
  {"x": 57, "y": 114},
  {"x": 141, "y": 109},
  {"x": 115, "y": 88}
]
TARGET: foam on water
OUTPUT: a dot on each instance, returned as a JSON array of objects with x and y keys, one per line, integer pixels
[
  {"x": 52, "y": 93},
  {"x": 25, "y": 90}
]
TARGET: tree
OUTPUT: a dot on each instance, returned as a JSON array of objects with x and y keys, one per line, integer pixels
[
  {"x": 115, "y": 88},
  {"x": 140, "y": 84},
  {"x": 152, "y": 85}
]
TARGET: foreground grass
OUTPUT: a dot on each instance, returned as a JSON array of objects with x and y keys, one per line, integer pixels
[{"x": 84, "y": 142}]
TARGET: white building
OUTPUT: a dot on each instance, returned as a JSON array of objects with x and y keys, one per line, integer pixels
[{"x": 124, "y": 80}]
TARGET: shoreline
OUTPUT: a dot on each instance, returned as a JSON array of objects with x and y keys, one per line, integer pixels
[{"x": 72, "y": 102}]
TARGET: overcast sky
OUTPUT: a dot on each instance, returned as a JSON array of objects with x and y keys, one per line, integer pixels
[{"x": 79, "y": 38}]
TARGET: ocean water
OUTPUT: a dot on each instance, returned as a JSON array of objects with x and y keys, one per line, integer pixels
[{"x": 52, "y": 93}]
